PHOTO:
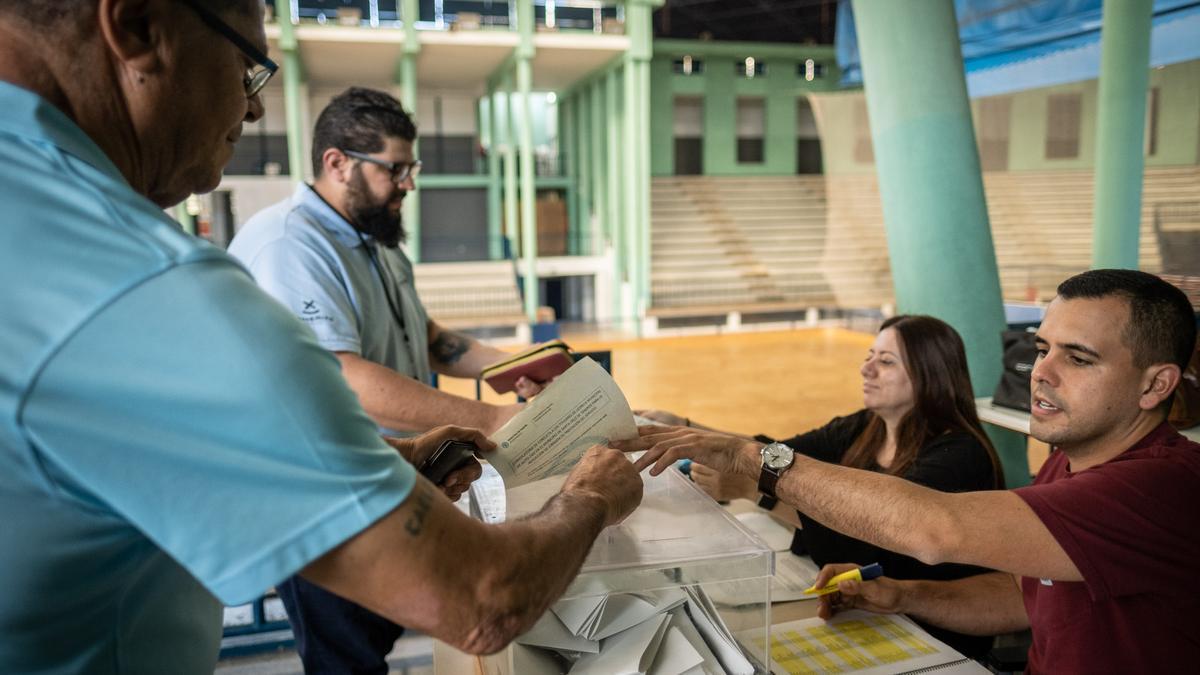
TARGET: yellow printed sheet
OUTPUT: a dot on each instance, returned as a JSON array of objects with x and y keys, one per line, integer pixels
[{"x": 860, "y": 642}]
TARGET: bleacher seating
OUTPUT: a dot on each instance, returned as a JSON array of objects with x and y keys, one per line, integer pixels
[
  {"x": 472, "y": 295},
  {"x": 743, "y": 244}
]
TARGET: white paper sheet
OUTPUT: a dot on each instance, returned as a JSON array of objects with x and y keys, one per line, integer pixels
[
  {"x": 580, "y": 408},
  {"x": 577, "y": 614},
  {"x": 709, "y": 664},
  {"x": 620, "y": 612},
  {"x": 550, "y": 633},
  {"x": 629, "y": 652},
  {"x": 531, "y": 661},
  {"x": 676, "y": 655},
  {"x": 714, "y": 631}
]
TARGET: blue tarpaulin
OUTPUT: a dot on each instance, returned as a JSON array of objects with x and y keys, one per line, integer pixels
[{"x": 1013, "y": 45}]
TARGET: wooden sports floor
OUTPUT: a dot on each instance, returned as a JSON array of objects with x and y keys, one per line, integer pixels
[{"x": 777, "y": 383}]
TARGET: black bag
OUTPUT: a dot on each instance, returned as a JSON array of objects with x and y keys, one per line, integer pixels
[{"x": 1019, "y": 354}]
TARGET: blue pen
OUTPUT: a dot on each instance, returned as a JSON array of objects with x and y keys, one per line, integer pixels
[{"x": 872, "y": 571}]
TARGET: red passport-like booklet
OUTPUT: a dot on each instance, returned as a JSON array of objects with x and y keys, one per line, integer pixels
[{"x": 540, "y": 363}]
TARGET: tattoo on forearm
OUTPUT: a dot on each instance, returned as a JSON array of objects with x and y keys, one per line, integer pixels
[
  {"x": 448, "y": 347},
  {"x": 423, "y": 500}
]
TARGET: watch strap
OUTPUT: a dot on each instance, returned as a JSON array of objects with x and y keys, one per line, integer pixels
[
  {"x": 767, "y": 502},
  {"x": 766, "y": 481}
]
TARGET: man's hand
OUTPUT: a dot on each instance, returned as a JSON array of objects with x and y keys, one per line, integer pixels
[
  {"x": 882, "y": 596},
  {"x": 720, "y": 452},
  {"x": 607, "y": 474},
  {"x": 527, "y": 388},
  {"x": 663, "y": 417},
  {"x": 417, "y": 450},
  {"x": 723, "y": 486}
]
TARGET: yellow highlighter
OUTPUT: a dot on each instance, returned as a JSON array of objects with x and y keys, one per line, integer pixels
[{"x": 872, "y": 571}]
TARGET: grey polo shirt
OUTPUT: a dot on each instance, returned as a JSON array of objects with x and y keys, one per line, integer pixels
[{"x": 308, "y": 257}]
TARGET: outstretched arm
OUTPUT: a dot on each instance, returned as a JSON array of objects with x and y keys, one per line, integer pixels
[
  {"x": 994, "y": 529},
  {"x": 399, "y": 402},
  {"x": 411, "y": 567}
]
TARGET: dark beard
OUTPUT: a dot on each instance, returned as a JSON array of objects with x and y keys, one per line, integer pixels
[{"x": 377, "y": 222}]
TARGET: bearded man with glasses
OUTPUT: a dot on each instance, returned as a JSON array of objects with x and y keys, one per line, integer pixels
[
  {"x": 172, "y": 438},
  {"x": 330, "y": 253}
]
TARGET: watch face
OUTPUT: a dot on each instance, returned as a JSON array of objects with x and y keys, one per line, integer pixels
[{"x": 777, "y": 456}]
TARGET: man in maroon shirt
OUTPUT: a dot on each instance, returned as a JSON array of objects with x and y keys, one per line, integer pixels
[{"x": 1099, "y": 555}]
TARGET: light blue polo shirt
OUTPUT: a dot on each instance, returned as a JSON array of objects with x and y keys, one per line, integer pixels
[
  {"x": 171, "y": 438},
  {"x": 305, "y": 254}
]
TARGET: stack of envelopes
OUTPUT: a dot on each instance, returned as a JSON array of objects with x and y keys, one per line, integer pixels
[{"x": 675, "y": 631}]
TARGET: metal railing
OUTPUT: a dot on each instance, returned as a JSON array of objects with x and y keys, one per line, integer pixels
[{"x": 597, "y": 16}]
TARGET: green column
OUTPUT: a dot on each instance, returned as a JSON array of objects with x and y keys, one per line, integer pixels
[
  {"x": 637, "y": 134},
  {"x": 939, "y": 239},
  {"x": 293, "y": 74},
  {"x": 583, "y": 107},
  {"x": 1120, "y": 131},
  {"x": 613, "y": 190},
  {"x": 489, "y": 111},
  {"x": 630, "y": 135},
  {"x": 529, "y": 251},
  {"x": 599, "y": 154},
  {"x": 568, "y": 133},
  {"x": 644, "y": 185},
  {"x": 408, "y": 96},
  {"x": 511, "y": 219}
]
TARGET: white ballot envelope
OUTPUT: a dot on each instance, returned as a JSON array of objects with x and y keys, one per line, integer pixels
[{"x": 580, "y": 408}]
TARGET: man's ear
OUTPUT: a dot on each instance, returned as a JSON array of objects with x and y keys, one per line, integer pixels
[
  {"x": 1158, "y": 384},
  {"x": 337, "y": 165},
  {"x": 133, "y": 31}
]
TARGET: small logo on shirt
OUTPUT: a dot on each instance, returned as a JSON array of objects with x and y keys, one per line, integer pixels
[
  {"x": 1047, "y": 582},
  {"x": 310, "y": 307}
]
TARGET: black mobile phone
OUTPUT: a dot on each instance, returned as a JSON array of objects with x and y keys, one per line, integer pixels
[{"x": 450, "y": 456}]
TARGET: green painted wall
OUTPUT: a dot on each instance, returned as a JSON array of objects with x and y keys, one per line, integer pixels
[
  {"x": 720, "y": 118},
  {"x": 719, "y": 86},
  {"x": 1027, "y": 128},
  {"x": 1178, "y": 123},
  {"x": 1178, "y": 126}
]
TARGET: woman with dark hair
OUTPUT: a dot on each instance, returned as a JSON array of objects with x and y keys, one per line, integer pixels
[{"x": 918, "y": 421}]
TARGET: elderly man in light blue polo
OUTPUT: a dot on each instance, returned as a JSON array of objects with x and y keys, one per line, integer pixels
[{"x": 173, "y": 439}]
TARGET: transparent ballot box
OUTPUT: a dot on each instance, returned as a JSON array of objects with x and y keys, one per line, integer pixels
[{"x": 680, "y": 586}]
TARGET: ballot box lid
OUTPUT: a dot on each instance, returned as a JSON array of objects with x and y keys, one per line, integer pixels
[{"x": 677, "y": 536}]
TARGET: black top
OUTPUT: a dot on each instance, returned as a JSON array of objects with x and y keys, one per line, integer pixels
[{"x": 953, "y": 462}]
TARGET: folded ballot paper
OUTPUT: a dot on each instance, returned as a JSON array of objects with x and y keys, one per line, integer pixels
[
  {"x": 675, "y": 631},
  {"x": 584, "y": 406}
]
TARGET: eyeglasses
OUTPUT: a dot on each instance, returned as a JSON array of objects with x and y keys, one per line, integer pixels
[
  {"x": 256, "y": 77},
  {"x": 401, "y": 171}
]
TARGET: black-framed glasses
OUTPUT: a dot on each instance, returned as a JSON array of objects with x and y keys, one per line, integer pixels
[
  {"x": 401, "y": 171},
  {"x": 256, "y": 77}
]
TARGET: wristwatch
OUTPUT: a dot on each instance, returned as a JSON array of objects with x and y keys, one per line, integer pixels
[{"x": 776, "y": 458}]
